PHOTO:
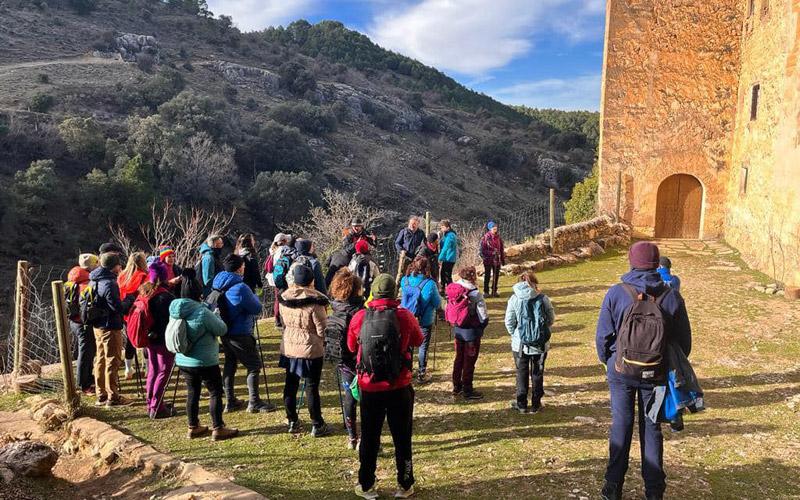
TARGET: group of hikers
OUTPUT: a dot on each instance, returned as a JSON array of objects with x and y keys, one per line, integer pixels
[{"x": 364, "y": 322}]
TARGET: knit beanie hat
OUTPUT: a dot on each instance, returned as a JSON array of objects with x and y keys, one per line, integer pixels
[
  {"x": 665, "y": 263},
  {"x": 303, "y": 275},
  {"x": 643, "y": 255},
  {"x": 232, "y": 263},
  {"x": 384, "y": 287},
  {"x": 362, "y": 246},
  {"x": 490, "y": 225},
  {"x": 303, "y": 246},
  {"x": 109, "y": 260},
  {"x": 164, "y": 252},
  {"x": 88, "y": 261}
]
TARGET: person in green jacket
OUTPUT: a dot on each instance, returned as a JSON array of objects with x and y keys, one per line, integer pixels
[{"x": 201, "y": 363}]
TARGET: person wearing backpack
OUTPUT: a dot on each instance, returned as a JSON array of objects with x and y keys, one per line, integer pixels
[
  {"x": 430, "y": 250},
  {"x": 305, "y": 257},
  {"x": 302, "y": 348},
  {"x": 210, "y": 263},
  {"x": 277, "y": 265},
  {"x": 355, "y": 233},
  {"x": 420, "y": 296},
  {"x": 107, "y": 326},
  {"x": 529, "y": 316},
  {"x": 77, "y": 279},
  {"x": 337, "y": 260},
  {"x": 199, "y": 364},
  {"x": 637, "y": 318},
  {"x": 665, "y": 270},
  {"x": 246, "y": 248},
  {"x": 129, "y": 281},
  {"x": 154, "y": 301},
  {"x": 239, "y": 308},
  {"x": 493, "y": 256},
  {"x": 382, "y": 337},
  {"x": 363, "y": 266},
  {"x": 348, "y": 298},
  {"x": 448, "y": 252},
  {"x": 466, "y": 311}
]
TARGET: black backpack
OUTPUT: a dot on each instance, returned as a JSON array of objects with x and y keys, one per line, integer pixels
[
  {"x": 642, "y": 338},
  {"x": 214, "y": 303},
  {"x": 92, "y": 306},
  {"x": 359, "y": 265},
  {"x": 335, "y": 336},
  {"x": 380, "y": 345}
]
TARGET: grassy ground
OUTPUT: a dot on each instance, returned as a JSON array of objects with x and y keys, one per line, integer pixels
[{"x": 747, "y": 445}]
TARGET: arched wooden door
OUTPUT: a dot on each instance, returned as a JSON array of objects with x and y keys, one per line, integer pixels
[{"x": 679, "y": 207}]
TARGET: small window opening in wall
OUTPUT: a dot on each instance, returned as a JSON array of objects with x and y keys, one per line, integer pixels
[
  {"x": 754, "y": 102},
  {"x": 751, "y": 7},
  {"x": 764, "y": 7},
  {"x": 743, "y": 181}
]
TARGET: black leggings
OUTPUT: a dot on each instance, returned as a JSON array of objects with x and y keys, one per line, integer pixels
[
  {"x": 312, "y": 393},
  {"x": 446, "y": 273},
  {"x": 212, "y": 377},
  {"x": 490, "y": 273},
  {"x": 346, "y": 376}
]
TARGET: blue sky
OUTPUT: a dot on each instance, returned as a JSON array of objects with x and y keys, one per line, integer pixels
[{"x": 541, "y": 53}]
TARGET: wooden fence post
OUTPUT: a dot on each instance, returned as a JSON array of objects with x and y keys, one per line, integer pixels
[
  {"x": 400, "y": 268},
  {"x": 427, "y": 223},
  {"x": 21, "y": 314},
  {"x": 552, "y": 220},
  {"x": 619, "y": 194},
  {"x": 71, "y": 395}
]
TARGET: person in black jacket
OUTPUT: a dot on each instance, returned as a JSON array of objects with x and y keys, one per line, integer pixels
[
  {"x": 347, "y": 294},
  {"x": 355, "y": 233},
  {"x": 430, "y": 250},
  {"x": 159, "y": 360},
  {"x": 246, "y": 249},
  {"x": 408, "y": 240},
  {"x": 108, "y": 330},
  {"x": 336, "y": 261}
]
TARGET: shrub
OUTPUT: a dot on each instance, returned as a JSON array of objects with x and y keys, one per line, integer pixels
[
  {"x": 582, "y": 205},
  {"x": 131, "y": 185},
  {"x": 379, "y": 116},
  {"x": 43, "y": 78},
  {"x": 251, "y": 104},
  {"x": 189, "y": 113},
  {"x": 309, "y": 119},
  {"x": 105, "y": 42},
  {"x": 83, "y": 7},
  {"x": 157, "y": 90},
  {"x": 41, "y": 103},
  {"x": 497, "y": 153},
  {"x": 415, "y": 101},
  {"x": 286, "y": 194},
  {"x": 431, "y": 124},
  {"x": 199, "y": 172},
  {"x": 296, "y": 78},
  {"x": 277, "y": 148},
  {"x": 341, "y": 111},
  {"x": 83, "y": 137},
  {"x": 564, "y": 141},
  {"x": 230, "y": 92},
  {"x": 145, "y": 62}
]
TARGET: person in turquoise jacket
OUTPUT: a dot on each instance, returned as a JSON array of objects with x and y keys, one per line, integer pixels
[
  {"x": 448, "y": 252},
  {"x": 529, "y": 359},
  {"x": 201, "y": 363},
  {"x": 418, "y": 275}
]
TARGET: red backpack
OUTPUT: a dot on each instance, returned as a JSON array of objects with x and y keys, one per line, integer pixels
[
  {"x": 140, "y": 320},
  {"x": 460, "y": 311}
]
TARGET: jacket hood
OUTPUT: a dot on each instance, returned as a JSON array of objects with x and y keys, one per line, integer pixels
[
  {"x": 78, "y": 275},
  {"x": 648, "y": 281},
  {"x": 183, "y": 308},
  {"x": 297, "y": 296},
  {"x": 384, "y": 304},
  {"x": 303, "y": 247},
  {"x": 225, "y": 280},
  {"x": 523, "y": 291},
  {"x": 101, "y": 273},
  {"x": 466, "y": 284},
  {"x": 349, "y": 306},
  {"x": 204, "y": 248}
]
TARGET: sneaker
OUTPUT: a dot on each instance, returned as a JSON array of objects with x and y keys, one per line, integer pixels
[
  {"x": 223, "y": 433},
  {"x": 294, "y": 426},
  {"x": 472, "y": 395},
  {"x": 423, "y": 378},
  {"x": 321, "y": 431},
  {"x": 352, "y": 443},
  {"x": 118, "y": 401},
  {"x": 196, "y": 432},
  {"x": 101, "y": 401},
  {"x": 404, "y": 493},
  {"x": 89, "y": 391},
  {"x": 611, "y": 491},
  {"x": 260, "y": 407},
  {"x": 520, "y": 409},
  {"x": 535, "y": 407},
  {"x": 371, "y": 494},
  {"x": 457, "y": 391},
  {"x": 130, "y": 374},
  {"x": 236, "y": 404}
]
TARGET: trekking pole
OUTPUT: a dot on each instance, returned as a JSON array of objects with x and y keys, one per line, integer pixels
[
  {"x": 175, "y": 392},
  {"x": 433, "y": 341},
  {"x": 263, "y": 364},
  {"x": 140, "y": 386},
  {"x": 161, "y": 396},
  {"x": 302, "y": 393},
  {"x": 341, "y": 399}
]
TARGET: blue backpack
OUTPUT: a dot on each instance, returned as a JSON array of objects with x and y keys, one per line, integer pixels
[
  {"x": 534, "y": 331},
  {"x": 412, "y": 298},
  {"x": 280, "y": 271}
]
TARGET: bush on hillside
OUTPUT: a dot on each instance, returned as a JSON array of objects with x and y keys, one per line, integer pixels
[
  {"x": 188, "y": 114},
  {"x": 496, "y": 153},
  {"x": 277, "y": 147},
  {"x": 310, "y": 119},
  {"x": 564, "y": 141},
  {"x": 132, "y": 186},
  {"x": 296, "y": 78},
  {"x": 41, "y": 103},
  {"x": 200, "y": 172},
  {"x": 582, "y": 205},
  {"x": 83, "y": 137},
  {"x": 83, "y": 7},
  {"x": 381, "y": 117},
  {"x": 282, "y": 196}
]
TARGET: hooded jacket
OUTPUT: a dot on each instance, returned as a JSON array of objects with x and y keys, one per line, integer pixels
[
  {"x": 159, "y": 309},
  {"x": 252, "y": 274},
  {"x": 108, "y": 298},
  {"x": 336, "y": 261},
  {"x": 304, "y": 316},
  {"x": 522, "y": 293},
  {"x": 473, "y": 334},
  {"x": 617, "y": 301},
  {"x": 448, "y": 247},
  {"x": 410, "y": 337},
  {"x": 409, "y": 241},
  {"x": 345, "y": 310},
  {"x": 210, "y": 266},
  {"x": 492, "y": 250},
  {"x": 242, "y": 304},
  {"x": 202, "y": 329},
  {"x": 431, "y": 300},
  {"x": 303, "y": 248}
]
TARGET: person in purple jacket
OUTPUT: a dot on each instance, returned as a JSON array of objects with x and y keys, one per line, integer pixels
[{"x": 644, "y": 277}]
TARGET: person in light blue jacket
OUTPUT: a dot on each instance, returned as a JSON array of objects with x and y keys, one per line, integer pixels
[
  {"x": 418, "y": 275},
  {"x": 529, "y": 359},
  {"x": 448, "y": 252}
]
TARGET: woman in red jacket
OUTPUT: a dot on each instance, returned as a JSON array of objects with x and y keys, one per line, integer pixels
[
  {"x": 129, "y": 281},
  {"x": 385, "y": 382},
  {"x": 493, "y": 255}
]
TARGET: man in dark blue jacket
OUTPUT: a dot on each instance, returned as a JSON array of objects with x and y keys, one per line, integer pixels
[
  {"x": 409, "y": 239},
  {"x": 239, "y": 308},
  {"x": 644, "y": 277}
]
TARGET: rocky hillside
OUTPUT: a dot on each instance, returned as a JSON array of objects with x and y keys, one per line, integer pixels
[{"x": 106, "y": 104}]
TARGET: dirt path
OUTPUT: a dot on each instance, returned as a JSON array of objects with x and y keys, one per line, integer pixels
[{"x": 85, "y": 59}]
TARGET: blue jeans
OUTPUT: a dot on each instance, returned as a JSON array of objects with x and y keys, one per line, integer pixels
[
  {"x": 624, "y": 395},
  {"x": 422, "y": 357}
]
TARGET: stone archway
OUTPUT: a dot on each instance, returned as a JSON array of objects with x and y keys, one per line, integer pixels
[{"x": 679, "y": 207}]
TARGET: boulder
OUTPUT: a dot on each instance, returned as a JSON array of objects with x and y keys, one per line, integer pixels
[{"x": 28, "y": 458}]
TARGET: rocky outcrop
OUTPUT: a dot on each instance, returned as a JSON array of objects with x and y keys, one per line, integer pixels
[
  {"x": 28, "y": 458},
  {"x": 246, "y": 76},
  {"x": 132, "y": 47},
  {"x": 358, "y": 104}
]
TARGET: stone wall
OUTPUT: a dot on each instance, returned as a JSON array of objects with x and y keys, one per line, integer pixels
[
  {"x": 668, "y": 103},
  {"x": 763, "y": 219}
]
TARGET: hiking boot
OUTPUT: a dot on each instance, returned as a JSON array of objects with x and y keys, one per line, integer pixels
[
  {"x": 472, "y": 395},
  {"x": 535, "y": 407},
  {"x": 352, "y": 443},
  {"x": 223, "y": 433},
  {"x": 260, "y": 407},
  {"x": 404, "y": 493},
  {"x": 370, "y": 494},
  {"x": 118, "y": 401},
  {"x": 101, "y": 401},
  {"x": 166, "y": 412},
  {"x": 294, "y": 426},
  {"x": 653, "y": 496},
  {"x": 611, "y": 491},
  {"x": 423, "y": 378},
  {"x": 197, "y": 431},
  {"x": 520, "y": 409},
  {"x": 321, "y": 431},
  {"x": 457, "y": 391},
  {"x": 234, "y": 405}
]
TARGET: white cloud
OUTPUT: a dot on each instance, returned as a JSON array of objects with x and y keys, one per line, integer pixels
[
  {"x": 579, "y": 93},
  {"x": 473, "y": 37},
  {"x": 250, "y": 15}
]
